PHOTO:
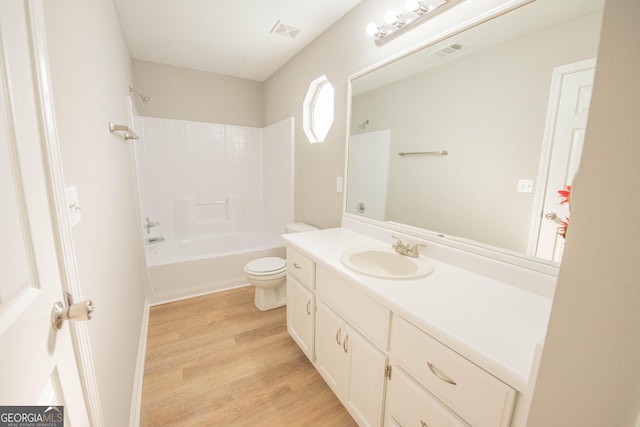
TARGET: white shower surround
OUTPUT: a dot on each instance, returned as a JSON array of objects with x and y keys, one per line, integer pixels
[
  {"x": 204, "y": 181},
  {"x": 184, "y": 166}
]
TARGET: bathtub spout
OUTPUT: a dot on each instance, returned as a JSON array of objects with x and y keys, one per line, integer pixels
[{"x": 152, "y": 240}]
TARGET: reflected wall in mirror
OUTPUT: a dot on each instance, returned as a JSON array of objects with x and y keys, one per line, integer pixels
[{"x": 502, "y": 99}]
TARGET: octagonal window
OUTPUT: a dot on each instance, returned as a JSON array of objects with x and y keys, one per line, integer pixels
[{"x": 317, "y": 110}]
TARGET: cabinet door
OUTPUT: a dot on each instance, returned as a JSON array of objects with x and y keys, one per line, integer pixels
[
  {"x": 331, "y": 349},
  {"x": 301, "y": 315},
  {"x": 367, "y": 380}
]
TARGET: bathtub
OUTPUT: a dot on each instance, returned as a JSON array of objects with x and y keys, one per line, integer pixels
[{"x": 183, "y": 268}]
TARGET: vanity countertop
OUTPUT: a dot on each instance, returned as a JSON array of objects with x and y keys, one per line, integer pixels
[{"x": 492, "y": 323}]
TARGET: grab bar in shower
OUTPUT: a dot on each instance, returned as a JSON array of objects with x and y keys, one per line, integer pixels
[
  {"x": 127, "y": 133},
  {"x": 212, "y": 202},
  {"x": 411, "y": 153}
]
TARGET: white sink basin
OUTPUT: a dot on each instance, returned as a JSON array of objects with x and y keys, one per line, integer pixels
[{"x": 385, "y": 264}]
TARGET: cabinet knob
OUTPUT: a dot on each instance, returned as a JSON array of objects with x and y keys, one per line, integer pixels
[{"x": 423, "y": 424}]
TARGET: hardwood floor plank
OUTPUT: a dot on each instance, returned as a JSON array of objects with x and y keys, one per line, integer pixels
[{"x": 217, "y": 360}]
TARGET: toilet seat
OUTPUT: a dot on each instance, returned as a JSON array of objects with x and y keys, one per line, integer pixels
[{"x": 267, "y": 266}]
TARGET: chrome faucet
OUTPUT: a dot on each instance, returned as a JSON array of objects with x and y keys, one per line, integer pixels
[
  {"x": 148, "y": 224},
  {"x": 408, "y": 250}
]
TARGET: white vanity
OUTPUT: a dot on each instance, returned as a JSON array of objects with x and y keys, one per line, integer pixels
[
  {"x": 454, "y": 348},
  {"x": 434, "y": 158}
]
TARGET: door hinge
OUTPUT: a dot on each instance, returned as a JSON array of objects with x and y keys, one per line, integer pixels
[{"x": 387, "y": 372}]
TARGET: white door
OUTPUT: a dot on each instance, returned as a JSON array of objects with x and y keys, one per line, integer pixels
[
  {"x": 567, "y": 119},
  {"x": 37, "y": 364}
]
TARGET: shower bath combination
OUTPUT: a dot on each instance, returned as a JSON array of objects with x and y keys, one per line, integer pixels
[{"x": 144, "y": 98}]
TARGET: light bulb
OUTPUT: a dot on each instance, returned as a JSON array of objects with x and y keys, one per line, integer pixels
[
  {"x": 372, "y": 29},
  {"x": 390, "y": 18},
  {"x": 411, "y": 5},
  {"x": 414, "y": 6}
]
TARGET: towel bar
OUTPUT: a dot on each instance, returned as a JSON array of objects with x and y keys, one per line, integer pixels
[{"x": 127, "y": 133}]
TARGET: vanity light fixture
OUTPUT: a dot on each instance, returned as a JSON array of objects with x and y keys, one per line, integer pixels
[
  {"x": 416, "y": 12},
  {"x": 390, "y": 18}
]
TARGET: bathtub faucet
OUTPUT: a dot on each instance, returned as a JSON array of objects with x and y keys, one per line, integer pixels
[
  {"x": 152, "y": 240},
  {"x": 150, "y": 224}
]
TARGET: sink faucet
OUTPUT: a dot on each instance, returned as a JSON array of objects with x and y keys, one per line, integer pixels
[
  {"x": 408, "y": 250},
  {"x": 148, "y": 224}
]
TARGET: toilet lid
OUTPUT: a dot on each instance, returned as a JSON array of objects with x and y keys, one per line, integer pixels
[{"x": 266, "y": 265}]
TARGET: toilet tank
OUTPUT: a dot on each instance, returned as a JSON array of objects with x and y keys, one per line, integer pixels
[{"x": 298, "y": 227}]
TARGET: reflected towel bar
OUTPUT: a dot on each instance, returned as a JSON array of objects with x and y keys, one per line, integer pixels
[
  {"x": 127, "y": 133},
  {"x": 212, "y": 202},
  {"x": 439, "y": 153}
]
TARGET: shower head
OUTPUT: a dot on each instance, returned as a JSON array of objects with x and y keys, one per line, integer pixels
[
  {"x": 363, "y": 125},
  {"x": 144, "y": 98}
]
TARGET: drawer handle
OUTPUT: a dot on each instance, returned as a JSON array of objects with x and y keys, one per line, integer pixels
[
  {"x": 295, "y": 265},
  {"x": 338, "y": 339},
  {"x": 345, "y": 344},
  {"x": 308, "y": 307},
  {"x": 438, "y": 373}
]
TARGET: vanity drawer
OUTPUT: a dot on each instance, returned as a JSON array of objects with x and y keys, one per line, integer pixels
[
  {"x": 477, "y": 396},
  {"x": 409, "y": 405},
  {"x": 365, "y": 314},
  {"x": 301, "y": 267}
]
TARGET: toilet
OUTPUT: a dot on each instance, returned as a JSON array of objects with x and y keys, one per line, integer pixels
[{"x": 269, "y": 275}]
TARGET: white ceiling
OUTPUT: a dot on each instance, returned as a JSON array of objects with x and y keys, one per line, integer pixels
[{"x": 231, "y": 37}]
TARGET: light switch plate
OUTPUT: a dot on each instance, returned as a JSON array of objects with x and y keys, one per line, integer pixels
[
  {"x": 73, "y": 205},
  {"x": 339, "y": 184},
  {"x": 525, "y": 186}
]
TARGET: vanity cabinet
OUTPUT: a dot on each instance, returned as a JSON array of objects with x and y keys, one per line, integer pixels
[
  {"x": 352, "y": 366},
  {"x": 301, "y": 307},
  {"x": 472, "y": 393},
  {"x": 351, "y": 336},
  {"x": 301, "y": 301},
  {"x": 408, "y": 404},
  {"x": 383, "y": 368}
]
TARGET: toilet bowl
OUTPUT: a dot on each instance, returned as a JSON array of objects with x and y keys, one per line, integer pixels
[{"x": 269, "y": 275}]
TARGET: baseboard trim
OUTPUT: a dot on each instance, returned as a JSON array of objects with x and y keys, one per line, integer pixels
[
  {"x": 165, "y": 299},
  {"x": 136, "y": 397}
]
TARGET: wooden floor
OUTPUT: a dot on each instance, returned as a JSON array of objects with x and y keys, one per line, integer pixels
[{"x": 217, "y": 360}]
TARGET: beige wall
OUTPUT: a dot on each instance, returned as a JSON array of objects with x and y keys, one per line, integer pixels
[
  {"x": 590, "y": 371},
  {"x": 338, "y": 53},
  {"x": 186, "y": 94},
  {"x": 91, "y": 71}
]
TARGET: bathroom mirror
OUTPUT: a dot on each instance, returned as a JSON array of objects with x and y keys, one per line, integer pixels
[{"x": 471, "y": 137}]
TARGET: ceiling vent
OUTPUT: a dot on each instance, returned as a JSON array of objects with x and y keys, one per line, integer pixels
[
  {"x": 285, "y": 30},
  {"x": 448, "y": 50}
]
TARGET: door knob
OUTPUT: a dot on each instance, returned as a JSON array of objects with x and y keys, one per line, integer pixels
[
  {"x": 70, "y": 311},
  {"x": 552, "y": 216}
]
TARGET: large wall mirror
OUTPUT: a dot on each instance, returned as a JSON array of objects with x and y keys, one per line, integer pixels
[{"x": 472, "y": 137}]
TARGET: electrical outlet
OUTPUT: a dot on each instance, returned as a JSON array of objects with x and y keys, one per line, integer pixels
[{"x": 525, "y": 186}]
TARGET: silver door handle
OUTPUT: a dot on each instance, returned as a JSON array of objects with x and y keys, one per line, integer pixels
[
  {"x": 70, "y": 311},
  {"x": 552, "y": 216}
]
